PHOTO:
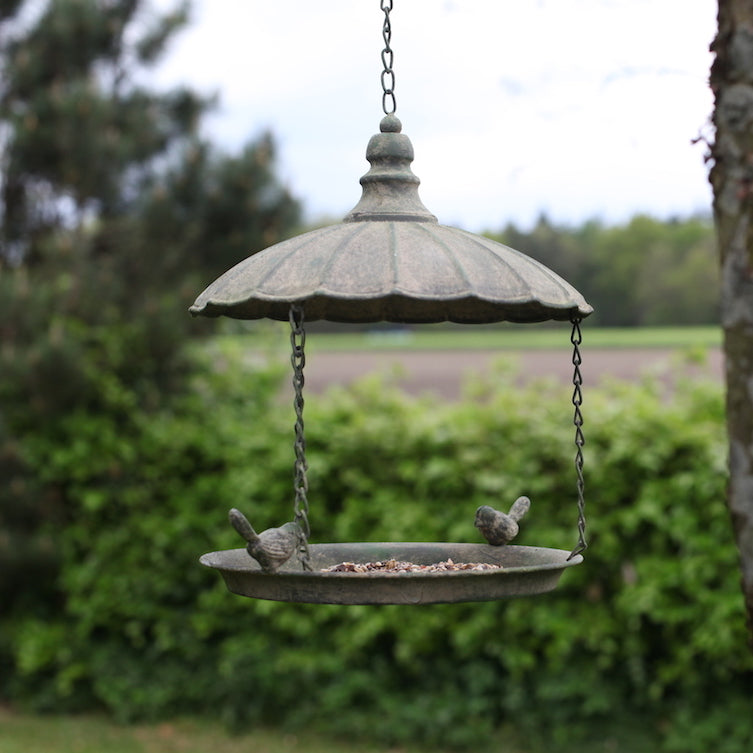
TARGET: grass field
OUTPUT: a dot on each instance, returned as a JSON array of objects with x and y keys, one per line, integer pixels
[
  {"x": 494, "y": 337},
  {"x": 29, "y": 733},
  {"x": 23, "y": 733}
]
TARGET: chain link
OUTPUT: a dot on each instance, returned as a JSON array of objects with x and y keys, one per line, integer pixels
[
  {"x": 300, "y": 485},
  {"x": 576, "y": 339},
  {"x": 389, "y": 104}
]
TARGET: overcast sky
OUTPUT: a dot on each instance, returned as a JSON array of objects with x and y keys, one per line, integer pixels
[{"x": 577, "y": 108}]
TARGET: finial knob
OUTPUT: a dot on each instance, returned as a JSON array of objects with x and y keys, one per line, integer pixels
[{"x": 390, "y": 124}]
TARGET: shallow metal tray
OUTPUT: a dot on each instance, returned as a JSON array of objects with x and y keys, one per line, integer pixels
[{"x": 525, "y": 571}]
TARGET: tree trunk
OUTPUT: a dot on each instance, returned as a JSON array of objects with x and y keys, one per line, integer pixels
[{"x": 731, "y": 177}]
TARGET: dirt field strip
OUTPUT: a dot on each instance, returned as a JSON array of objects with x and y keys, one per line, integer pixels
[{"x": 443, "y": 372}]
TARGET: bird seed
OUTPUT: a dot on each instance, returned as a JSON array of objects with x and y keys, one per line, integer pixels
[{"x": 400, "y": 566}]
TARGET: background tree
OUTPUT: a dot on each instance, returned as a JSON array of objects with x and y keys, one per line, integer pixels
[
  {"x": 732, "y": 181},
  {"x": 114, "y": 213}
]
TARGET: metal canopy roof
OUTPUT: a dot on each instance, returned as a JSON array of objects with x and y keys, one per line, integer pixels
[{"x": 390, "y": 260}]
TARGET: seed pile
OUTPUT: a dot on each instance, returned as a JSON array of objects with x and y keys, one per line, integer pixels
[{"x": 399, "y": 566}]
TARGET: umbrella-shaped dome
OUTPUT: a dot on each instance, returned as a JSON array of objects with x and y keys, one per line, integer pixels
[{"x": 390, "y": 260}]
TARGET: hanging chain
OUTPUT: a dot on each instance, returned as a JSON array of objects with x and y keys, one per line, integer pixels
[
  {"x": 389, "y": 105},
  {"x": 576, "y": 339},
  {"x": 301, "y": 485}
]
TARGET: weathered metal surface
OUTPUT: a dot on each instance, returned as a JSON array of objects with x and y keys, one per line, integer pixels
[
  {"x": 390, "y": 260},
  {"x": 525, "y": 571}
]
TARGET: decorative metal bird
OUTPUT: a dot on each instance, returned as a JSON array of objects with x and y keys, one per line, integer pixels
[
  {"x": 497, "y": 527},
  {"x": 271, "y": 548}
]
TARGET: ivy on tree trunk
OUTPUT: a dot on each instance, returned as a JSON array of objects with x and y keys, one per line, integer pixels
[{"x": 731, "y": 178}]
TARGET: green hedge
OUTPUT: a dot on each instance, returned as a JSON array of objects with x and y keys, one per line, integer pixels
[{"x": 649, "y": 628}]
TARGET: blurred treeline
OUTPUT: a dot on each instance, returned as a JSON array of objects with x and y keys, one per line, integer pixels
[
  {"x": 124, "y": 438},
  {"x": 645, "y": 272}
]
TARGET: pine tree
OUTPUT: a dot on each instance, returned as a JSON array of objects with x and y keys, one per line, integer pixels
[
  {"x": 113, "y": 211},
  {"x": 114, "y": 214}
]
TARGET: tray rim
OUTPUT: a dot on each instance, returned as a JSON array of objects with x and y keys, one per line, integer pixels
[
  {"x": 386, "y": 587},
  {"x": 253, "y": 568}
]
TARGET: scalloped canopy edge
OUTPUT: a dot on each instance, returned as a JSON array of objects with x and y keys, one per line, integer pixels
[{"x": 395, "y": 271}]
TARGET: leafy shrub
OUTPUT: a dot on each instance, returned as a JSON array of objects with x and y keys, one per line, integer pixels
[{"x": 650, "y": 627}]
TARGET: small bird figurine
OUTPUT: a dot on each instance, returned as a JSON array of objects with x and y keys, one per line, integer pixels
[
  {"x": 497, "y": 527},
  {"x": 271, "y": 548}
]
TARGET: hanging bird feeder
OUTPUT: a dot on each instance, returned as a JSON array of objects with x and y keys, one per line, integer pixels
[{"x": 390, "y": 260}]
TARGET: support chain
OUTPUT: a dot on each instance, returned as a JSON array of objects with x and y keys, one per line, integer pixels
[
  {"x": 576, "y": 339},
  {"x": 301, "y": 505},
  {"x": 389, "y": 104}
]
